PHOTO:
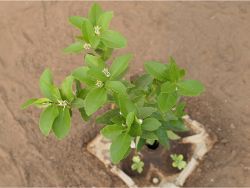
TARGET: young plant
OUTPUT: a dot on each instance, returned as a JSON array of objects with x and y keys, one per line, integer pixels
[
  {"x": 137, "y": 164},
  {"x": 178, "y": 161},
  {"x": 145, "y": 109}
]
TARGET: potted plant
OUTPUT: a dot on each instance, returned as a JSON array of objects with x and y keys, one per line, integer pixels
[{"x": 145, "y": 110}]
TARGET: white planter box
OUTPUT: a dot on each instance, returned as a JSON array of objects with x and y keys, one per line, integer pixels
[{"x": 201, "y": 142}]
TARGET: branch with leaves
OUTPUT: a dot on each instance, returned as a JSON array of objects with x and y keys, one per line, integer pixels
[{"x": 147, "y": 108}]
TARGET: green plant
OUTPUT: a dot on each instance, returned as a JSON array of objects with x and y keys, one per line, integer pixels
[
  {"x": 178, "y": 161},
  {"x": 137, "y": 164},
  {"x": 145, "y": 109}
]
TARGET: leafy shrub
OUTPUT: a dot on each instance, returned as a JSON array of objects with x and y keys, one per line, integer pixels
[{"x": 146, "y": 109}]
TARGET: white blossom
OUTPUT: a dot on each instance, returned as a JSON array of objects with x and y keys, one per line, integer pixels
[
  {"x": 86, "y": 46},
  {"x": 62, "y": 103},
  {"x": 97, "y": 30},
  {"x": 99, "y": 83},
  {"x": 132, "y": 144},
  {"x": 140, "y": 121},
  {"x": 106, "y": 72}
]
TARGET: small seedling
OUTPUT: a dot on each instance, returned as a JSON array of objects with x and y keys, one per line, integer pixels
[
  {"x": 137, "y": 164},
  {"x": 178, "y": 161},
  {"x": 146, "y": 109}
]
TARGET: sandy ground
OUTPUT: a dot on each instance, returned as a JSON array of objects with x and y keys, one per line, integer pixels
[{"x": 211, "y": 40}]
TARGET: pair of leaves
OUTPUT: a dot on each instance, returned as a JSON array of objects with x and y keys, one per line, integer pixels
[
  {"x": 178, "y": 161},
  {"x": 57, "y": 119}
]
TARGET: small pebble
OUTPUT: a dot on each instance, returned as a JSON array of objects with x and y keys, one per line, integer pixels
[
  {"x": 232, "y": 126},
  {"x": 212, "y": 180},
  {"x": 155, "y": 180},
  {"x": 246, "y": 168},
  {"x": 224, "y": 141}
]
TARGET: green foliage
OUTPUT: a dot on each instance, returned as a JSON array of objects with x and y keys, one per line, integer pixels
[
  {"x": 95, "y": 99},
  {"x": 47, "y": 119},
  {"x": 146, "y": 109},
  {"x": 119, "y": 147},
  {"x": 178, "y": 161},
  {"x": 61, "y": 125},
  {"x": 137, "y": 164}
]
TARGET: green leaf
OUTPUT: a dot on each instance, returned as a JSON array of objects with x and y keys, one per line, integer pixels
[
  {"x": 151, "y": 124},
  {"x": 93, "y": 61},
  {"x": 163, "y": 137},
  {"x": 84, "y": 116},
  {"x": 125, "y": 105},
  {"x": 77, "y": 103},
  {"x": 104, "y": 20},
  {"x": 47, "y": 118},
  {"x": 135, "y": 130},
  {"x": 190, "y": 87},
  {"x": 95, "y": 99},
  {"x": 168, "y": 87},
  {"x": 149, "y": 135},
  {"x": 77, "y": 21},
  {"x": 119, "y": 147},
  {"x": 116, "y": 86},
  {"x": 81, "y": 74},
  {"x": 118, "y": 119},
  {"x": 172, "y": 135},
  {"x": 88, "y": 32},
  {"x": 66, "y": 88},
  {"x": 179, "y": 112},
  {"x": 112, "y": 131},
  {"x": 113, "y": 39},
  {"x": 28, "y": 103},
  {"x": 140, "y": 144},
  {"x": 119, "y": 66},
  {"x": 47, "y": 87},
  {"x": 97, "y": 73},
  {"x": 155, "y": 69},
  {"x": 74, "y": 48},
  {"x": 145, "y": 112},
  {"x": 143, "y": 81},
  {"x": 175, "y": 125},
  {"x": 166, "y": 101},
  {"x": 61, "y": 125},
  {"x": 94, "y": 13},
  {"x": 130, "y": 119},
  {"x": 107, "y": 116},
  {"x": 172, "y": 71}
]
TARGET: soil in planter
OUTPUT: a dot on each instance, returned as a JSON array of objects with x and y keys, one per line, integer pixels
[{"x": 158, "y": 158}]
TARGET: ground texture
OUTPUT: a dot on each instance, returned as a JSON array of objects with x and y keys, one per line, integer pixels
[{"x": 211, "y": 40}]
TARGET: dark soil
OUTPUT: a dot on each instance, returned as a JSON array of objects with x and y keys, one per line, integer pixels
[
  {"x": 211, "y": 40},
  {"x": 159, "y": 158}
]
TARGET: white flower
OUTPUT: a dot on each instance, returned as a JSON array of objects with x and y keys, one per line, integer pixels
[
  {"x": 62, "y": 103},
  {"x": 97, "y": 30},
  {"x": 86, "y": 46},
  {"x": 132, "y": 144},
  {"x": 106, "y": 72},
  {"x": 140, "y": 121},
  {"x": 99, "y": 83}
]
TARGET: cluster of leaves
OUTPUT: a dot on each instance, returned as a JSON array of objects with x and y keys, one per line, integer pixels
[
  {"x": 178, "y": 161},
  {"x": 138, "y": 164},
  {"x": 146, "y": 109}
]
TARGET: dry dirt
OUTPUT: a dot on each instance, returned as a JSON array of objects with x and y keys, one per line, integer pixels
[{"x": 210, "y": 39}]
